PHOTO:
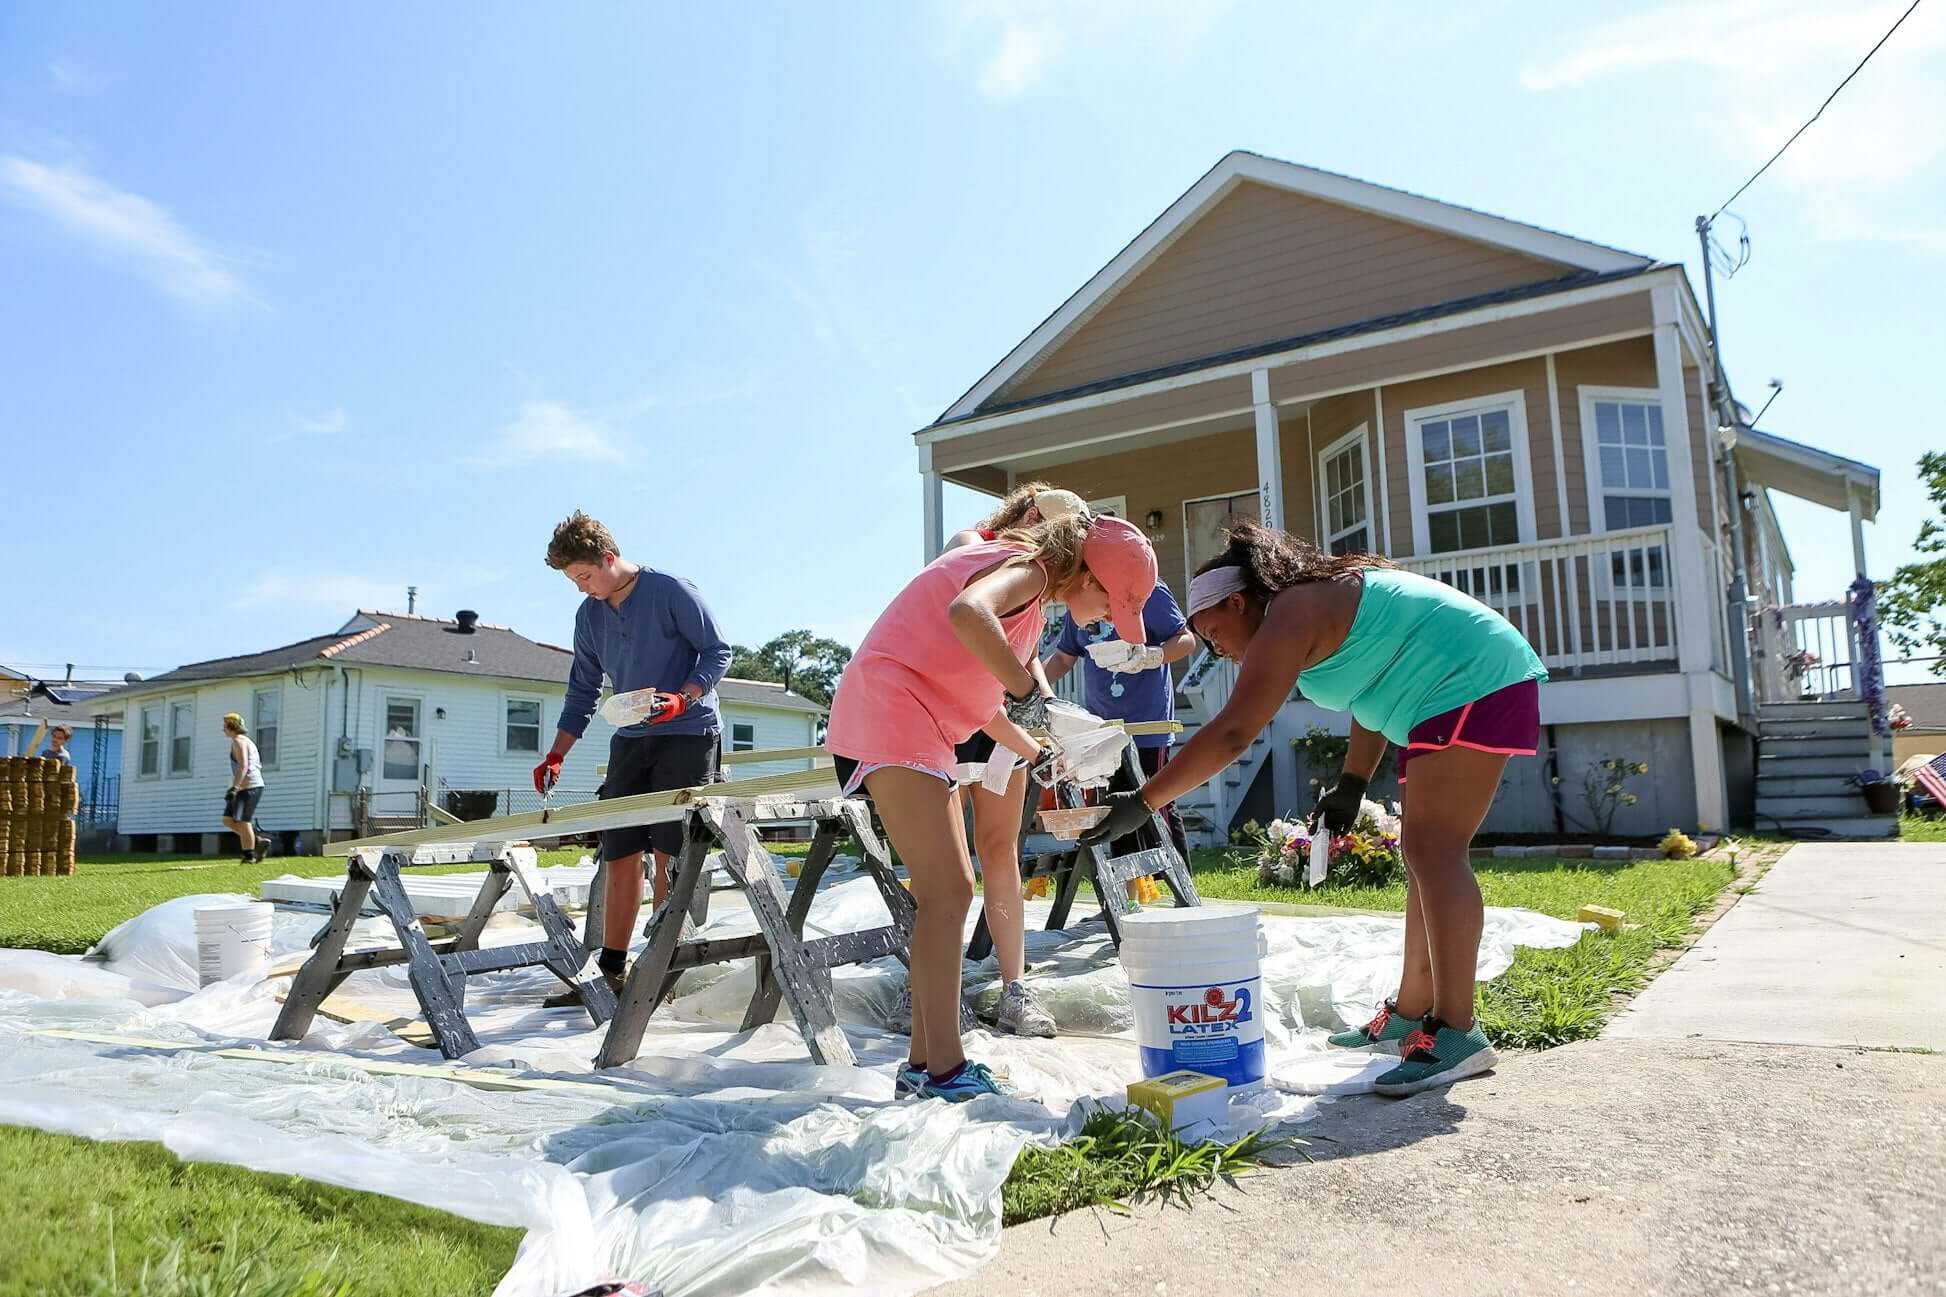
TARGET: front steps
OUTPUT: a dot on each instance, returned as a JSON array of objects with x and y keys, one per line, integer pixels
[{"x": 1808, "y": 754}]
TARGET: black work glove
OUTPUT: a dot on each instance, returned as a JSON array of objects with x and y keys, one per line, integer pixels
[
  {"x": 1127, "y": 812},
  {"x": 1029, "y": 712},
  {"x": 1337, "y": 809}
]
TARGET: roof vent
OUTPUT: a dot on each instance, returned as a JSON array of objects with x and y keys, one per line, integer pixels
[
  {"x": 132, "y": 678},
  {"x": 471, "y": 658},
  {"x": 469, "y": 621}
]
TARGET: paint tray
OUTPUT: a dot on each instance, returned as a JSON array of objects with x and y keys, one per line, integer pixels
[{"x": 1068, "y": 825}]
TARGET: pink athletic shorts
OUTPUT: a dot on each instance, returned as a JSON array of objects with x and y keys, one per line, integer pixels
[{"x": 1507, "y": 721}]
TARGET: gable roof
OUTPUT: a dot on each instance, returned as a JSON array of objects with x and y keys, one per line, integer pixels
[
  {"x": 1578, "y": 255},
  {"x": 408, "y": 642}
]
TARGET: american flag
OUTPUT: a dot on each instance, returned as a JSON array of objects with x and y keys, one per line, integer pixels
[{"x": 1932, "y": 778}]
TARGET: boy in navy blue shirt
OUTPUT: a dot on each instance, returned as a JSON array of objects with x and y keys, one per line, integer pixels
[
  {"x": 643, "y": 629},
  {"x": 1141, "y": 689}
]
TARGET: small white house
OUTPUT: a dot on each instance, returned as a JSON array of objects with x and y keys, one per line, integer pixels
[{"x": 366, "y": 726}]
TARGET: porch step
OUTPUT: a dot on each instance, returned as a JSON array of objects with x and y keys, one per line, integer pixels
[
  {"x": 1832, "y": 806},
  {"x": 1863, "y": 828},
  {"x": 1813, "y": 707},
  {"x": 1847, "y": 748},
  {"x": 1811, "y": 765},
  {"x": 1842, "y": 727},
  {"x": 1788, "y": 785}
]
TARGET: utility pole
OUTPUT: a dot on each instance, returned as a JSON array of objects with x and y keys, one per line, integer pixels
[{"x": 1726, "y": 421}]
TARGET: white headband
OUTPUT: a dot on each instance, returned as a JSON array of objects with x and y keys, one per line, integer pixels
[{"x": 1212, "y": 587}]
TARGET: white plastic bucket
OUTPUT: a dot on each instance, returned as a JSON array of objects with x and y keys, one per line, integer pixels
[
  {"x": 1195, "y": 983},
  {"x": 232, "y": 939}
]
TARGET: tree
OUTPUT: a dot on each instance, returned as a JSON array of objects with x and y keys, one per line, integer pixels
[
  {"x": 1912, "y": 605},
  {"x": 802, "y": 662}
]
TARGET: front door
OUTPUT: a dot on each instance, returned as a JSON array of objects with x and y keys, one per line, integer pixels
[
  {"x": 1207, "y": 523},
  {"x": 401, "y": 757}
]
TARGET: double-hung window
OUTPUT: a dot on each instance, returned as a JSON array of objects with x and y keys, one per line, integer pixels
[
  {"x": 182, "y": 735},
  {"x": 1345, "y": 489},
  {"x": 1469, "y": 474},
  {"x": 523, "y": 726},
  {"x": 743, "y": 736},
  {"x": 1627, "y": 454},
  {"x": 150, "y": 764},
  {"x": 266, "y": 719}
]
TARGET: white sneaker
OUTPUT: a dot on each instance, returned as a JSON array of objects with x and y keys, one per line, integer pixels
[
  {"x": 901, "y": 1019},
  {"x": 1022, "y": 1014}
]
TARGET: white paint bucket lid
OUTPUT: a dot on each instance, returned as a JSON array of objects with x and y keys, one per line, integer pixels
[{"x": 1224, "y": 921}]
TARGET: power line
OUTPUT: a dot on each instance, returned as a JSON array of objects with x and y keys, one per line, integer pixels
[{"x": 1820, "y": 112}]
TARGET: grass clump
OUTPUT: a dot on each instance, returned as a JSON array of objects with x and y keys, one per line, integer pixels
[{"x": 1120, "y": 1157}]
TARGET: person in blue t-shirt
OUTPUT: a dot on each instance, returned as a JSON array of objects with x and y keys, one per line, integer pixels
[{"x": 1139, "y": 688}]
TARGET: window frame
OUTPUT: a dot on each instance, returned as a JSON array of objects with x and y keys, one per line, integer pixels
[
  {"x": 169, "y": 766},
  {"x": 161, "y": 708},
  {"x": 1361, "y": 436},
  {"x": 1587, "y": 395},
  {"x": 743, "y": 725},
  {"x": 386, "y": 697},
  {"x": 540, "y": 724},
  {"x": 276, "y": 690},
  {"x": 1515, "y": 404},
  {"x": 1114, "y": 505}
]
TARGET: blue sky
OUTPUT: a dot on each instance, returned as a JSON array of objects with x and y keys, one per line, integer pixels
[{"x": 303, "y": 305}]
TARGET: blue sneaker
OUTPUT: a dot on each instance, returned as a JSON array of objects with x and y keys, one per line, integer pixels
[
  {"x": 909, "y": 1081},
  {"x": 970, "y": 1082}
]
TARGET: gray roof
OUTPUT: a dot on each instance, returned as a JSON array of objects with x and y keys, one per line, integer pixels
[
  {"x": 66, "y": 703},
  {"x": 412, "y": 643},
  {"x": 1925, "y": 704}
]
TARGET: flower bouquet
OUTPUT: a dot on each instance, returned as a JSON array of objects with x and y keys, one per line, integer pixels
[{"x": 1367, "y": 856}]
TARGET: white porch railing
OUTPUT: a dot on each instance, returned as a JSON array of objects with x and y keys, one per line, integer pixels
[
  {"x": 1807, "y": 651},
  {"x": 1590, "y": 601}
]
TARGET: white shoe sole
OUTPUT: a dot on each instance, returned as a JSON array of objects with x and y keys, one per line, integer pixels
[{"x": 1472, "y": 1065}]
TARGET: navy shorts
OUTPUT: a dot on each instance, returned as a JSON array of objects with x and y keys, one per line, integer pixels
[
  {"x": 655, "y": 763},
  {"x": 240, "y": 804}
]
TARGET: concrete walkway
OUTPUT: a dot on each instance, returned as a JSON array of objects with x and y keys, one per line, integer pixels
[
  {"x": 1840, "y": 944},
  {"x": 1664, "y": 1162}
]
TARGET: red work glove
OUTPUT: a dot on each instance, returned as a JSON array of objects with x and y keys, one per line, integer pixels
[
  {"x": 547, "y": 773},
  {"x": 667, "y": 708}
]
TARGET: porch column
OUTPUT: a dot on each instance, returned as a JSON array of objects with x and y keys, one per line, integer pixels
[
  {"x": 1696, "y": 588},
  {"x": 932, "y": 507},
  {"x": 1857, "y": 529},
  {"x": 1270, "y": 458}
]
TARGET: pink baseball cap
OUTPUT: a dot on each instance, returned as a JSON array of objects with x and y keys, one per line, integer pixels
[{"x": 1118, "y": 555}]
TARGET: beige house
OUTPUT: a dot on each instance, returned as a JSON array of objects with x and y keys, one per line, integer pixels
[{"x": 1519, "y": 413}]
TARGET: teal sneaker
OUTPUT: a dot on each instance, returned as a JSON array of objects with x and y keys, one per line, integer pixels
[
  {"x": 1386, "y": 1026},
  {"x": 909, "y": 1081},
  {"x": 970, "y": 1082},
  {"x": 1436, "y": 1054}
]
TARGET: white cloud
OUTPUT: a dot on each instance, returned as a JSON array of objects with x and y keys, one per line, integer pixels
[
  {"x": 1759, "y": 70},
  {"x": 345, "y": 590},
  {"x": 320, "y": 423},
  {"x": 1020, "y": 42},
  {"x": 548, "y": 430},
  {"x": 125, "y": 226}
]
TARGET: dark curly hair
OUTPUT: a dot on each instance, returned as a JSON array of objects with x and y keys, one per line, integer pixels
[
  {"x": 1276, "y": 560},
  {"x": 580, "y": 539}
]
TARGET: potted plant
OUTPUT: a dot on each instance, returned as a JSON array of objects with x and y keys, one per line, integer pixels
[{"x": 1881, "y": 793}]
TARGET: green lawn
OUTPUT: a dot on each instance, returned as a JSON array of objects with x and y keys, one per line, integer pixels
[
  {"x": 63, "y": 1193},
  {"x": 1914, "y": 828},
  {"x": 1548, "y": 997}
]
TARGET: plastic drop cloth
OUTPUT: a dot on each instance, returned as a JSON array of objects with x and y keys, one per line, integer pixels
[{"x": 719, "y": 1161}]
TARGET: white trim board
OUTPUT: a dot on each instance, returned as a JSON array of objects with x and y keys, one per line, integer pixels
[
  {"x": 1239, "y": 167},
  {"x": 1515, "y": 403}
]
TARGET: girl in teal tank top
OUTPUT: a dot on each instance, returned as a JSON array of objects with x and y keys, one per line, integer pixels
[{"x": 1417, "y": 664}]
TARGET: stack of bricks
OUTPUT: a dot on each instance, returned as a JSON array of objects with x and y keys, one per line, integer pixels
[{"x": 38, "y": 799}]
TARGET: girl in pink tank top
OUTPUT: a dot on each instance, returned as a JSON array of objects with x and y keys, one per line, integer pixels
[{"x": 946, "y": 658}]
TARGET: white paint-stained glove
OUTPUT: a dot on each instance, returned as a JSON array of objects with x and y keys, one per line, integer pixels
[{"x": 1141, "y": 657}]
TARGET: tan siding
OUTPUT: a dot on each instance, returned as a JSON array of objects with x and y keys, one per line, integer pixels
[
  {"x": 1526, "y": 376},
  {"x": 1630, "y": 363},
  {"x": 1224, "y": 400},
  {"x": 1299, "y": 474},
  {"x": 1266, "y": 264},
  {"x": 985, "y": 478},
  {"x": 1162, "y": 477}
]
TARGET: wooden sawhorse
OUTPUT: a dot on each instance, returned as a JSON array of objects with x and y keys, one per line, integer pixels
[
  {"x": 1069, "y": 866},
  {"x": 438, "y": 969},
  {"x": 789, "y": 968}
]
